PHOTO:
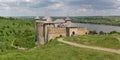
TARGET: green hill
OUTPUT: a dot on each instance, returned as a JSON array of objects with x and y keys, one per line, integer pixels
[
  {"x": 107, "y": 41},
  {"x": 17, "y": 32},
  {"x": 58, "y": 51},
  {"x": 21, "y": 33}
]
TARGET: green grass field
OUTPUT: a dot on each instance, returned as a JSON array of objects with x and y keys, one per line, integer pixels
[
  {"x": 108, "y": 41},
  {"x": 58, "y": 51}
]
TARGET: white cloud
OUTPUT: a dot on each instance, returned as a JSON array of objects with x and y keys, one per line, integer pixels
[
  {"x": 8, "y": 0},
  {"x": 27, "y": 0},
  {"x": 118, "y": 0},
  {"x": 56, "y": 6},
  {"x": 11, "y": 1}
]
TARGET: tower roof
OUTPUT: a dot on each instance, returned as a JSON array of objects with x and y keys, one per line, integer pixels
[
  {"x": 48, "y": 19},
  {"x": 67, "y": 18},
  {"x": 37, "y": 18},
  {"x": 68, "y": 24},
  {"x": 45, "y": 17},
  {"x": 59, "y": 21}
]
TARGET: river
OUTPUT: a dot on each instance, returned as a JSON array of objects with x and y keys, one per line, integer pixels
[{"x": 98, "y": 28}]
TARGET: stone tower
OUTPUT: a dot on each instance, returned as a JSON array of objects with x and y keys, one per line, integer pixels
[
  {"x": 67, "y": 20},
  {"x": 39, "y": 31},
  {"x": 47, "y": 23}
]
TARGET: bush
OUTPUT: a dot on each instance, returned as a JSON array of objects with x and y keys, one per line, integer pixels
[
  {"x": 93, "y": 32},
  {"x": 101, "y": 33},
  {"x": 113, "y": 32},
  {"x": 28, "y": 42}
]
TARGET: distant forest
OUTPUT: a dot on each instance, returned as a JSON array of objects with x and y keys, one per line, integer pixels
[
  {"x": 108, "y": 20},
  {"x": 105, "y": 20}
]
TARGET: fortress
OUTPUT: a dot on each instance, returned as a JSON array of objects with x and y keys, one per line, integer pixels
[{"x": 47, "y": 29}]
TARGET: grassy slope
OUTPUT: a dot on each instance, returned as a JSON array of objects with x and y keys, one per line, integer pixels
[
  {"x": 109, "y": 41},
  {"x": 22, "y": 31},
  {"x": 58, "y": 51}
]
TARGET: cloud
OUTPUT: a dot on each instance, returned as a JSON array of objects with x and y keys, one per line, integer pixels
[
  {"x": 57, "y": 7},
  {"x": 10, "y": 1},
  {"x": 93, "y": 4}
]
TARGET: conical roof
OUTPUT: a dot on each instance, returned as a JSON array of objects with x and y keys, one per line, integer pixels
[
  {"x": 59, "y": 21},
  {"x": 48, "y": 19},
  {"x": 67, "y": 18},
  {"x": 37, "y": 18},
  {"x": 45, "y": 17},
  {"x": 68, "y": 24}
]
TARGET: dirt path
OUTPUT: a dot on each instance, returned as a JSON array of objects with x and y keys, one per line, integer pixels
[
  {"x": 17, "y": 47},
  {"x": 89, "y": 47},
  {"x": 118, "y": 38}
]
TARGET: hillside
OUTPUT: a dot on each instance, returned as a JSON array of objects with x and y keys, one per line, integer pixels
[
  {"x": 17, "y": 32},
  {"x": 107, "y": 41},
  {"x": 21, "y": 33},
  {"x": 58, "y": 51}
]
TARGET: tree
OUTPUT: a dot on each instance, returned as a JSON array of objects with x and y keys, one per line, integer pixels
[
  {"x": 93, "y": 32},
  {"x": 112, "y": 32},
  {"x": 101, "y": 32}
]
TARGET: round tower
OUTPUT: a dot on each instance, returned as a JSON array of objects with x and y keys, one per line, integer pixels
[
  {"x": 47, "y": 24},
  {"x": 68, "y": 22},
  {"x": 39, "y": 31}
]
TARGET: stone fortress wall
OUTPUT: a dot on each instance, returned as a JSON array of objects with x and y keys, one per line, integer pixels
[
  {"x": 78, "y": 31},
  {"x": 46, "y": 29},
  {"x": 56, "y": 32},
  {"x": 71, "y": 31}
]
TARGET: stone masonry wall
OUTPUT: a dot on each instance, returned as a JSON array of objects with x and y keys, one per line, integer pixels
[
  {"x": 56, "y": 32},
  {"x": 78, "y": 31}
]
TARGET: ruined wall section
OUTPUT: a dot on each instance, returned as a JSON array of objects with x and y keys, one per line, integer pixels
[
  {"x": 78, "y": 31},
  {"x": 56, "y": 32}
]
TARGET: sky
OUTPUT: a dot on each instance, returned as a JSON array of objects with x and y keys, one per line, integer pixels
[{"x": 59, "y": 7}]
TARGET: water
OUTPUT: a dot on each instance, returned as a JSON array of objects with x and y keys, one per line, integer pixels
[{"x": 98, "y": 28}]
